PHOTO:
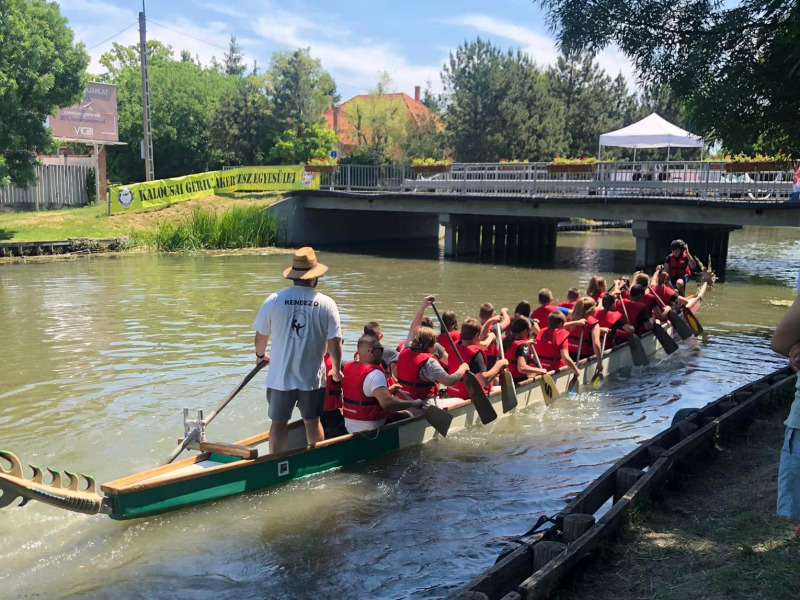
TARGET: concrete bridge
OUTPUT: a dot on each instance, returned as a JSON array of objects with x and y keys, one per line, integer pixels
[{"x": 516, "y": 226}]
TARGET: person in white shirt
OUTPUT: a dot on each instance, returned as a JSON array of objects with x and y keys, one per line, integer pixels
[{"x": 302, "y": 323}]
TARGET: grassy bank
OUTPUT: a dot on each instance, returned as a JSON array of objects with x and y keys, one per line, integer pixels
[
  {"x": 92, "y": 221},
  {"x": 713, "y": 535}
]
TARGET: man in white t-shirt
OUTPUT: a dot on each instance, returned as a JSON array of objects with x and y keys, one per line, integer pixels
[
  {"x": 369, "y": 402},
  {"x": 302, "y": 323}
]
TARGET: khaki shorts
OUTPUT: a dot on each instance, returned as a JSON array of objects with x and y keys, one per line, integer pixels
[
  {"x": 282, "y": 403},
  {"x": 789, "y": 476}
]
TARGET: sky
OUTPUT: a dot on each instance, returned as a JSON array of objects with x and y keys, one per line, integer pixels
[{"x": 354, "y": 39}]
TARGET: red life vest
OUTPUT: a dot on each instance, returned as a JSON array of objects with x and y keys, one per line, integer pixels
[
  {"x": 357, "y": 405},
  {"x": 540, "y": 314},
  {"x": 667, "y": 295},
  {"x": 409, "y": 364},
  {"x": 587, "y": 349},
  {"x": 442, "y": 339},
  {"x": 333, "y": 389},
  {"x": 633, "y": 309},
  {"x": 678, "y": 267},
  {"x": 566, "y": 304},
  {"x": 548, "y": 346},
  {"x": 511, "y": 356},
  {"x": 607, "y": 319},
  {"x": 467, "y": 353},
  {"x": 598, "y": 297}
]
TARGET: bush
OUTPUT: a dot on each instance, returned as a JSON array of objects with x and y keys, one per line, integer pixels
[{"x": 238, "y": 227}]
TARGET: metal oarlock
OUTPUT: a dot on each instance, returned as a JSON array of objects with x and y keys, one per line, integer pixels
[{"x": 190, "y": 425}]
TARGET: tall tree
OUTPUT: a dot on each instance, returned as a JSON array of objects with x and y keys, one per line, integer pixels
[
  {"x": 233, "y": 60},
  {"x": 735, "y": 64},
  {"x": 473, "y": 85},
  {"x": 41, "y": 69},
  {"x": 589, "y": 101},
  {"x": 301, "y": 89}
]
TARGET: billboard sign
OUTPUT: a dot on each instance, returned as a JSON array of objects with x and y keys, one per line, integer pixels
[{"x": 93, "y": 120}]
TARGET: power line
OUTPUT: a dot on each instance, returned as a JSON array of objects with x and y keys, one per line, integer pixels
[{"x": 113, "y": 36}]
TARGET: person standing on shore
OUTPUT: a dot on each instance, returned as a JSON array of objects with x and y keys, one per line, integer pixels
[
  {"x": 302, "y": 323},
  {"x": 786, "y": 341}
]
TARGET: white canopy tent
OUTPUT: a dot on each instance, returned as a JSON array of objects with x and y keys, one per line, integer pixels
[{"x": 651, "y": 132}]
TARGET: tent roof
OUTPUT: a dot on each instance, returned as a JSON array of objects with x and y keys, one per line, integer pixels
[{"x": 651, "y": 132}]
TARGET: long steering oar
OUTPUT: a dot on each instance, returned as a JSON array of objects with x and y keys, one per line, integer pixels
[
  {"x": 681, "y": 326},
  {"x": 476, "y": 392},
  {"x": 637, "y": 350},
  {"x": 597, "y": 378},
  {"x": 507, "y": 390},
  {"x": 549, "y": 389},
  {"x": 194, "y": 435},
  {"x": 574, "y": 385},
  {"x": 438, "y": 418}
]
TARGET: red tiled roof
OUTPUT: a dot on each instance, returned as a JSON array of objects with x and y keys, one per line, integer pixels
[{"x": 346, "y": 132}]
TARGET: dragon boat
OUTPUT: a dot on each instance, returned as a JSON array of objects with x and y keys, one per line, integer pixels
[{"x": 222, "y": 470}]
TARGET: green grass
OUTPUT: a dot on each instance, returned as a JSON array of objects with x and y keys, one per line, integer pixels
[
  {"x": 92, "y": 222},
  {"x": 237, "y": 227}
]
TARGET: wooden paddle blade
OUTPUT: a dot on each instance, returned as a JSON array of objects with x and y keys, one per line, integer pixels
[
  {"x": 665, "y": 339},
  {"x": 637, "y": 352},
  {"x": 549, "y": 389},
  {"x": 509, "y": 393},
  {"x": 479, "y": 398},
  {"x": 681, "y": 326},
  {"x": 691, "y": 319},
  {"x": 439, "y": 419}
]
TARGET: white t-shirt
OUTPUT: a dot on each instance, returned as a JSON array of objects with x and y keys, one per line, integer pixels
[
  {"x": 372, "y": 381},
  {"x": 299, "y": 320}
]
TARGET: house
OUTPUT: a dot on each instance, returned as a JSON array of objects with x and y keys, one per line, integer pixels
[{"x": 336, "y": 117}]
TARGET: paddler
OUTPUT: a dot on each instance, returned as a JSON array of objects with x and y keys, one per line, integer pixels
[
  {"x": 475, "y": 357},
  {"x": 369, "y": 400},
  {"x": 451, "y": 329},
  {"x": 545, "y": 308},
  {"x": 664, "y": 290},
  {"x": 572, "y": 297},
  {"x": 488, "y": 343},
  {"x": 587, "y": 334},
  {"x": 302, "y": 323},
  {"x": 596, "y": 289},
  {"x": 517, "y": 350},
  {"x": 679, "y": 264},
  {"x": 389, "y": 355},
  {"x": 611, "y": 319},
  {"x": 551, "y": 344}
]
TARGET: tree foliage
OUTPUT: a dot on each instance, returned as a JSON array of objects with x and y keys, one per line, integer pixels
[
  {"x": 734, "y": 64},
  {"x": 241, "y": 125},
  {"x": 233, "y": 60},
  {"x": 41, "y": 69}
]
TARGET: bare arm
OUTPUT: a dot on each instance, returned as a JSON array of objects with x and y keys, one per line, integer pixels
[
  {"x": 335, "y": 350},
  {"x": 524, "y": 367},
  {"x": 487, "y": 377},
  {"x": 392, "y": 403},
  {"x": 568, "y": 360},
  {"x": 417, "y": 320},
  {"x": 596, "y": 340},
  {"x": 692, "y": 262},
  {"x": 505, "y": 319},
  {"x": 260, "y": 343},
  {"x": 787, "y": 332},
  {"x": 448, "y": 379}
]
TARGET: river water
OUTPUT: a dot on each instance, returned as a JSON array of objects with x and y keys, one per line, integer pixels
[{"x": 100, "y": 356}]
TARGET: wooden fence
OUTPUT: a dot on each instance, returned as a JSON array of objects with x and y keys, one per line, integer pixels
[{"x": 58, "y": 185}]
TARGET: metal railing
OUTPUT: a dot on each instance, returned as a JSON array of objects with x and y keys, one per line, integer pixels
[
  {"x": 58, "y": 185},
  {"x": 687, "y": 179},
  {"x": 390, "y": 178}
]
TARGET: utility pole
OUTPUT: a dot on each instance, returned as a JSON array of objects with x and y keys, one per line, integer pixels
[{"x": 148, "y": 134}]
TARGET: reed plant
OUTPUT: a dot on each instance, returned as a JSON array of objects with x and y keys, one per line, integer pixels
[{"x": 237, "y": 227}]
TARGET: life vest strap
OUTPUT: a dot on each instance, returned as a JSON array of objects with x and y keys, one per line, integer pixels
[
  {"x": 420, "y": 384},
  {"x": 369, "y": 402}
]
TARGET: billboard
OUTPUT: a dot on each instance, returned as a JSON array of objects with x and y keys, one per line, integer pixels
[{"x": 93, "y": 120}]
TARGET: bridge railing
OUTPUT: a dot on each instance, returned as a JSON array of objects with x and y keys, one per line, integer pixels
[
  {"x": 390, "y": 178},
  {"x": 687, "y": 179}
]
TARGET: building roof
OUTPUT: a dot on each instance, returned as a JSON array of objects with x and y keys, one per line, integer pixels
[{"x": 346, "y": 131}]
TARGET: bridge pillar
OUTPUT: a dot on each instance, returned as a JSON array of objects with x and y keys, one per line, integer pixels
[
  {"x": 468, "y": 239},
  {"x": 445, "y": 220},
  {"x": 653, "y": 240},
  {"x": 499, "y": 242},
  {"x": 512, "y": 240},
  {"x": 487, "y": 241}
]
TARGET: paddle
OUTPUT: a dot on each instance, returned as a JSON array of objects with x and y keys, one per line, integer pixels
[
  {"x": 637, "y": 351},
  {"x": 438, "y": 418},
  {"x": 691, "y": 319},
  {"x": 476, "y": 392},
  {"x": 549, "y": 388},
  {"x": 574, "y": 386},
  {"x": 194, "y": 435},
  {"x": 598, "y": 376},
  {"x": 669, "y": 344},
  {"x": 507, "y": 390},
  {"x": 679, "y": 324}
]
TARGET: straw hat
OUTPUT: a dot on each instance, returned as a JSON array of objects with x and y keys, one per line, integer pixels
[{"x": 305, "y": 265}]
